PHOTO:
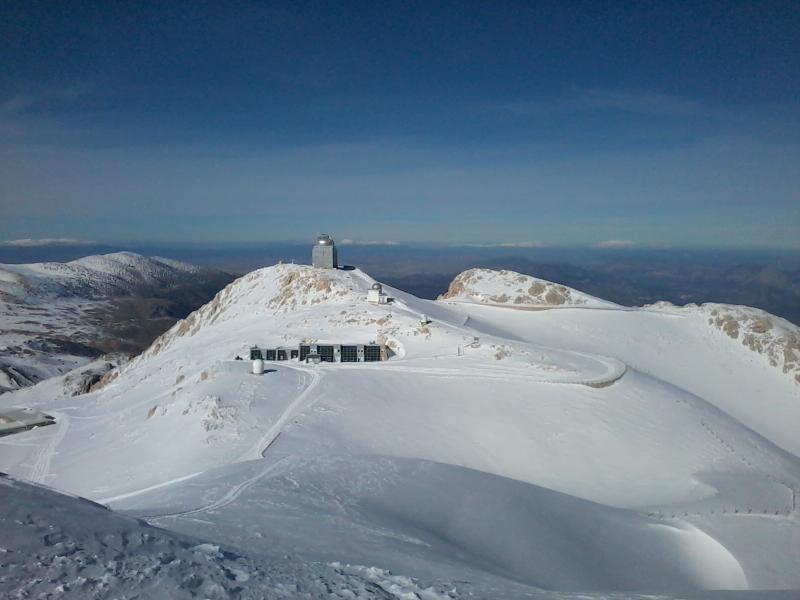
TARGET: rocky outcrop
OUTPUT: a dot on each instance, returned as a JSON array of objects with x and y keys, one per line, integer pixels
[
  {"x": 514, "y": 289},
  {"x": 774, "y": 338}
]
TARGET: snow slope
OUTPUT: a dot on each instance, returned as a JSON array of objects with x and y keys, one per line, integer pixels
[
  {"x": 685, "y": 348},
  {"x": 58, "y": 545},
  {"x": 776, "y": 339},
  {"x": 589, "y": 448},
  {"x": 55, "y": 545}
]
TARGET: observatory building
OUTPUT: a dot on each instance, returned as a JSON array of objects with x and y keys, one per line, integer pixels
[
  {"x": 332, "y": 353},
  {"x": 376, "y": 294},
  {"x": 323, "y": 255}
]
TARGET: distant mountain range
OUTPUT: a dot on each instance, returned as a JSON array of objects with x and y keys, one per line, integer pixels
[
  {"x": 766, "y": 279},
  {"x": 57, "y": 316},
  {"x": 632, "y": 280}
]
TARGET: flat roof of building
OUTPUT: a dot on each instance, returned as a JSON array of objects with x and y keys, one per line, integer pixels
[{"x": 13, "y": 420}]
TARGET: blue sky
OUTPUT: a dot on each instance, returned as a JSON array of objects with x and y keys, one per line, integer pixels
[{"x": 670, "y": 123}]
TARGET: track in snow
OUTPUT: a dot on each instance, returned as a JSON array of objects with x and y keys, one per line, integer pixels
[
  {"x": 41, "y": 465},
  {"x": 745, "y": 461},
  {"x": 230, "y": 496},
  {"x": 259, "y": 448},
  {"x": 256, "y": 452},
  {"x": 148, "y": 489},
  {"x": 615, "y": 370}
]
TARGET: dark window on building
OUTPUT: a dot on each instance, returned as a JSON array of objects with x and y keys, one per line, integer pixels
[
  {"x": 270, "y": 355},
  {"x": 325, "y": 353},
  {"x": 372, "y": 353},
  {"x": 293, "y": 354},
  {"x": 304, "y": 351},
  {"x": 349, "y": 354},
  {"x": 255, "y": 353},
  {"x": 282, "y": 355}
]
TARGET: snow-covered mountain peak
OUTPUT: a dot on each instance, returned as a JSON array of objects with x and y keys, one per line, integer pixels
[
  {"x": 487, "y": 286},
  {"x": 117, "y": 274},
  {"x": 287, "y": 305},
  {"x": 122, "y": 262},
  {"x": 270, "y": 291},
  {"x": 135, "y": 267},
  {"x": 299, "y": 285},
  {"x": 280, "y": 288}
]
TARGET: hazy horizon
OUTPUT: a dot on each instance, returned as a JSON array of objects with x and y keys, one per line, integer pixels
[{"x": 628, "y": 275}]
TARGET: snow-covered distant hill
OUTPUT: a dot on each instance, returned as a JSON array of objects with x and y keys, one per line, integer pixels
[
  {"x": 57, "y": 316},
  {"x": 508, "y": 288},
  {"x": 97, "y": 277},
  {"x": 581, "y": 446}
]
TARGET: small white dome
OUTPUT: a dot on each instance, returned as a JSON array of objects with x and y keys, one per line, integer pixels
[{"x": 377, "y": 286}]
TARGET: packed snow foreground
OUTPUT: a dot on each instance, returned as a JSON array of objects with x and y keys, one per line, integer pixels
[{"x": 523, "y": 440}]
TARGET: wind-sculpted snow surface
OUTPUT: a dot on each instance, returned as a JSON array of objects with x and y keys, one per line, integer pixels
[
  {"x": 515, "y": 289},
  {"x": 55, "y": 545},
  {"x": 416, "y": 511},
  {"x": 591, "y": 447}
]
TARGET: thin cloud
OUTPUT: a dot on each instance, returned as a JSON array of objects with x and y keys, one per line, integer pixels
[
  {"x": 529, "y": 244},
  {"x": 528, "y": 108},
  {"x": 43, "y": 97},
  {"x": 616, "y": 244},
  {"x": 645, "y": 103},
  {"x": 594, "y": 100},
  {"x": 34, "y": 243},
  {"x": 34, "y": 113},
  {"x": 349, "y": 242}
]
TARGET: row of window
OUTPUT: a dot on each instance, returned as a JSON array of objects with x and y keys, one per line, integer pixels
[
  {"x": 276, "y": 354},
  {"x": 372, "y": 353}
]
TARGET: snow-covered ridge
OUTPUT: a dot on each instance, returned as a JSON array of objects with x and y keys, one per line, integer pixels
[
  {"x": 774, "y": 338},
  {"x": 92, "y": 277},
  {"x": 266, "y": 292},
  {"x": 487, "y": 286},
  {"x": 291, "y": 304}
]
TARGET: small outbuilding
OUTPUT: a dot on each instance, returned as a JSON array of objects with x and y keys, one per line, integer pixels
[
  {"x": 15, "y": 420},
  {"x": 376, "y": 294}
]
